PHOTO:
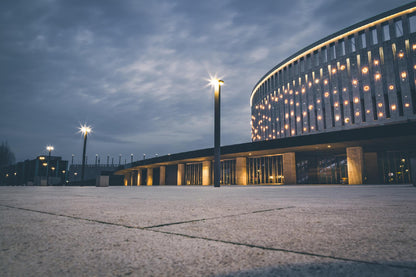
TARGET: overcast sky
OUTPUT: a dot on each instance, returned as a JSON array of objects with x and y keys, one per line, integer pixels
[{"x": 136, "y": 70}]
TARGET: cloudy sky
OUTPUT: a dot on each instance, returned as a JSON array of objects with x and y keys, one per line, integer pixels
[{"x": 137, "y": 70}]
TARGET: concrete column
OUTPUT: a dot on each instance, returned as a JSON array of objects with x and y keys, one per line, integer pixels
[
  {"x": 241, "y": 171},
  {"x": 371, "y": 168},
  {"x": 181, "y": 175},
  {"x": 289, "y": 168},
  {"x": 206, "y": 173},
  {"x": 150, "y": 176},
  {"x": 126, "y": 179},
  {"x": 138, "y": 177},
  {"x": 355, "y": 165},
  {"x": 162, "y": 176}
]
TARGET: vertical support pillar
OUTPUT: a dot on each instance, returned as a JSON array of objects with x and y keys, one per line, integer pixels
[
  {"x": 150, "y": 176},
  {"x": 181, "y": 175},
  {"x": 355, "y": 165},
  {"x": 138, "y": 177},
  {"x": 289, "y": 168},
  {"x": 162, "y": 175},
  {"x": 206, "y": 173},
  {"x": 371, "y": 168},
  {"x": 241, "y": 171}
]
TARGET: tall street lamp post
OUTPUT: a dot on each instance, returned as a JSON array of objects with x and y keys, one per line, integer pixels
[
  {"x": 50, "y": 149},
  {"x": 84, "y": 129},
  {"x": 216, "y": 83}
]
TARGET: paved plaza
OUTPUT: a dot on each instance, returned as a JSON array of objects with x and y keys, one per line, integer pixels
[{"x": 206, "y": 231}]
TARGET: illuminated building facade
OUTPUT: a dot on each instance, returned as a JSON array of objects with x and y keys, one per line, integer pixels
[
  {"x": 340, "y": 111},
  {"x": 361, "y": 76}
]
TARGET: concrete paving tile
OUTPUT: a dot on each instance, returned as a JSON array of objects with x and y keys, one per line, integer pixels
[{"x": 34, "y": 244}]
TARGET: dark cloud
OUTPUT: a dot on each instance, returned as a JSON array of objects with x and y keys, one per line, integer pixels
[{"x": 136, "y": 70}]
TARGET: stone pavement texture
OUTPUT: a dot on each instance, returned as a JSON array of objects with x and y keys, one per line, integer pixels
[{"x": 206, "y": 231}]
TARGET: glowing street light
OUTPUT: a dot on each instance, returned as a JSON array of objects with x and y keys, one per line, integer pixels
[
  {"x": 84, "y": 129},
  {"x": 217, "y": 83},
  {"x": 49, "y": 148}
]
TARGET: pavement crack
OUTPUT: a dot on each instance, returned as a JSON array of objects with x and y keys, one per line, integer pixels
[
  {"x": 283, "y": 250},
  {"x": 215, "y": 217}
]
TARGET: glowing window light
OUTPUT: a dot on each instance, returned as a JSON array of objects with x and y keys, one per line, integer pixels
[
  {"x": 344, "y": 89},
  {"x": 286, "y": 126},
  {"x": 296, "y": 92},
  {"x": 277, "y": 119},
  {"x": 326, "y": 94},
  {"x": 270, "y": 119},
  {"x": 391, "y": 87},
  {"x": 368, "y": 111},
  {"x": 310, "y": 107},
  {"x": 310, "y": 84},
  {"x": 291, "y": 101},
  {"x": 380, "y": 105},
  {"x": 281, "y": 96},
  {"x": 407, "y": 105},
  {"x": 285, "y": 91},
  {"x": 286, "y": 101},
  {"x": 336, "y": 104},
  {"x": 305, "y": 129},
  {"x": 292, "y": 113},
  {"x": 347, "y": 120},
  {"x": 335, "y": 91},
  {"x": 312, "y": 127},
  {"x": 286, "y": 115},
  {"x": 265, "y": 102},
  {"x": 342, "y": 67},
  {"x": 414, "y": 67},
  {"x": 318, "y": 101},
  {"x": 380, "y": 114},
  {"x": 297, "y": 104},
  {"x": 274, "y": 137},
  {"x": 316, "y": 81},
  {"x": 393, "y": 107},
  {"x": 337, "y": 117},
  {"x": 377, "y": 76},
  {"x": 334, "y": 71},
  {"x": 403, "y": 75},
  {"x": 319, "y": 117},
  {"x": 298, "y": 119},
  {"x": 325, "y": 82},
  {"x": 304, "y": 113},
  {"x": 401, "y": 54},
  {"x": 364, "y": 70},
  {"x": 376, "y": 62},
  {"x": 356, "y": 100},
  {"x": 293, "y": 132},
  {"x": 354, "y": 82},
  {"x": 269, "y": 106},
  {"x": 346, "y": 102},
  {"x": 357, "y": 113},
  {"x": 41, "y": 158},
  {"x": 303, "y": 90},
  {"x": 414, "y": 46},
  {"x": 366, "y": 88},
  {"x": 291, "y": 92}
]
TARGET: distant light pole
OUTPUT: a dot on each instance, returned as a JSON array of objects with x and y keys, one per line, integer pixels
[
  {"x": 50, "y": 149},
  {"x": 217, "y": 83},
  {"x": 84, "y": 129},
  {"x": 131, "y": 156}
]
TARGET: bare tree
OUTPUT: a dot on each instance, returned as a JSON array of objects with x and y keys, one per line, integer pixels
[{"x": 6, "y": 155}]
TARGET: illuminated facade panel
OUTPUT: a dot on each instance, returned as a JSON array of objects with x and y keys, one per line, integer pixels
[{"x": 361, "y": 76}]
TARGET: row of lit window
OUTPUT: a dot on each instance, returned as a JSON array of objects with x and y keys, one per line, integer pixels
[{"x": 365, "y": 69}]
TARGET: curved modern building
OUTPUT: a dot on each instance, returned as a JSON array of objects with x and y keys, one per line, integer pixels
[
  {"x": 342, "y": 110},
  {"x": 361, "y": 76}
]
